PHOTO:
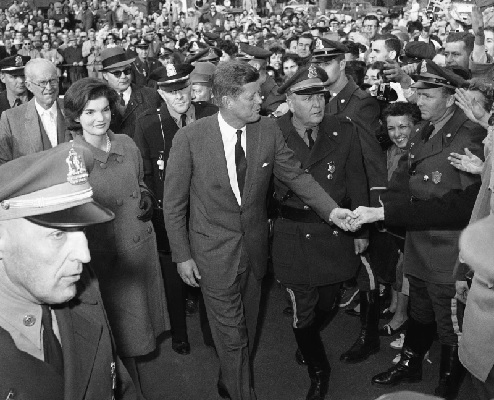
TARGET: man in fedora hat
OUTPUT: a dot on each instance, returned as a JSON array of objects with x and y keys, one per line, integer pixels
[
  {"x": 431, "y": 243},
  {"x": 55, "y": 339},
  {"x": 155, "y": 130},
  {"x": 143, "y": 65},
  {"x": 117, "y": 71},
  {"x": 12, "y": 75}
]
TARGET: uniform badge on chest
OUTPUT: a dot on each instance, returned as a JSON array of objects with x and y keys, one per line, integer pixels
[
  {"x": 331, "y": 169},
  {"x": 436, "y": 177}
]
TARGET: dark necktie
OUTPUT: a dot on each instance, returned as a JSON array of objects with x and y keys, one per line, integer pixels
[
  {"x": 51, "y": 346},
  {"x": 122, "y": 101},
  {"x": 17, "y": 102},
  {"x": 240, "y": 163},
  {"x": 309, "y": 136},
  {"x": 183, "y": 120},
  {"x": 427, "y": 132}
]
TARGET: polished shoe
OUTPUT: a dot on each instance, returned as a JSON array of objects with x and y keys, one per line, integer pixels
[
  {"x": 319, "y": 383},
  {"x": 182, "y": 348},
  {"x": 386, "y": 330},
  {"x": 222, "y": 391},
  {"x": 191, "y": 307},
  {"x": 451, "y": 373},
  {"x": 288, "y": 311},
  {"x": 408, "y": 369},
  {"x": 299, "y": 357},
  {"x": 362, "y": 349}
]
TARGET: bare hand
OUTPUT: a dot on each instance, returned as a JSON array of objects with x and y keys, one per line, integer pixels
[
  {"x": 467, "y": 162},
  {"x": 189, "y": 272},
  {"x": 461, "y": 291},
  {"x": 477, "y": 21},
  {"x": 394, "y": 72},
  {"x": 343, "y": 218},
  {"x": 360, "y": 245},
  {"x": 470, "y": 106},
  {"x": 367, "y": 215}
]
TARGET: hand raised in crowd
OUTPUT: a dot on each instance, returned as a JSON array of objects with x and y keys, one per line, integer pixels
[
  {"x": 477, "y": 21},
  {"x": 343, "y": 218},
  {"x": 360, "y": 245},
  {"x": 395, "y": 73},
  {"x": 471, "y": 106},
  {"x": 367, "y": 215},
  {"x": 189, "y": 272},
  {"x": 467, "y": 162}
]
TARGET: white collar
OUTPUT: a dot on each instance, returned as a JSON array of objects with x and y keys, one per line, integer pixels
[{"x": 52, "y": 110}]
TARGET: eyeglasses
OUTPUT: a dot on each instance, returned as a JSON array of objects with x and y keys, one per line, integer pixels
[
  {"x": 27, "y": 43},
  {"x": 119, "y": 73},
  {"x": 44, "y": 84}
]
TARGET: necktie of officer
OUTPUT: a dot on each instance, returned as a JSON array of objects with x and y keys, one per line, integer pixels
[
  {"x": 308, "y": 132},
  {"x": 183, "y": 120},
  {"x": 17, "y": 102},
  {"x": 427, "y": 132},
  {"x": 51, "y": 346},
  {"x": 240, "y": 162}
]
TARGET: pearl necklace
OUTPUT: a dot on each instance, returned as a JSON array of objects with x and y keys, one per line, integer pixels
[{"x": 108, "y": 144}]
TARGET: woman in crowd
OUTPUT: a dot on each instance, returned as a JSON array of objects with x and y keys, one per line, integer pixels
[
  {"x": 291, "y": 63},
  {"x": 123, "y": 252}
]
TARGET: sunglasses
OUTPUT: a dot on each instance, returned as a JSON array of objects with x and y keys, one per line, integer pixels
[{"x": 119, "y": 73}]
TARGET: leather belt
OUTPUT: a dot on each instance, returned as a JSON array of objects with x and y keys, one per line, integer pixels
[{"x": 299, "y": 215}]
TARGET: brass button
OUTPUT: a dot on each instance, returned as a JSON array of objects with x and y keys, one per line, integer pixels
[
  {"x": 308, "y": 236},
  {"x": 103, "y": 165},
  {"x": 150, "y": 230},
  {"x": 306, "y": 207},
  {"x": 5, "y": 205},
  {"x": 29, "y": 320},
  {"x": 335, "y": 133},
  {"x": 335, "y": 233},
  {"x": 136, "y": 238},
  {"x": 119, "y": 202},
  {"x": 448, "y": 135},
  {"x": 306, "y": 170},
  {"x": 412, "y": 156}
]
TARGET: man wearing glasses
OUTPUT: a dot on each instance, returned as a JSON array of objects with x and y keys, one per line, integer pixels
[
  {"x": 370, "y": 26},
  {"x": 39, "y": 124},
  {"x": 134, "y": 100},
  {"x": 27, "y": 50}
]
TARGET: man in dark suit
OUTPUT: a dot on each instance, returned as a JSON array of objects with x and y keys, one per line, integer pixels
[
  {"x": 154, "y": 133},
  {"x": 40, "y": 123},
  {"x": 431, "y": 243},
  {"x": 12, "y": 75},
  {"x": 220, "y": 168},
  {"x": 311, "y": 258},
  {"x": 348, "y": 100},
  {"x": 55, "y": 339},
  {"x": 133, "y": 100}
]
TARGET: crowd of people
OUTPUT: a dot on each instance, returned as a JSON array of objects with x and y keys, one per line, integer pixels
[{"x": 344, "y": 154}]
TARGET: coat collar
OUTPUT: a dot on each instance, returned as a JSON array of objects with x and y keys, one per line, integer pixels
[
  {"x": 342, "y": 98},
  {"x": 98, "y": 154}
]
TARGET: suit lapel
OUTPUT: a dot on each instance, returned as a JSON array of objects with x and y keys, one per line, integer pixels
[
  {"x": 252, "y": 156},
  {"x": 62, "y": 136},
  {"x": 135, "y": 99},
  {"x": 80, "y": 340},
  {"x": 33, "y": 134}
]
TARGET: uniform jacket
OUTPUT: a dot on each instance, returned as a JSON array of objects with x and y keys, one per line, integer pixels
[
  {"x": 155, "y": 130},
  {"x": 317, "y": 253},
  {"x": 220, "y": 231},
  {"x": 270, "y": 97},
  {"x": 141, "y": 70},
  {"x": 123, "y": 251},
  {"x": 431, "y": 253},
  {"x": 4, "y": 102},
  {"x": 22, "y": 132},
  {"x": 88, "y": 353},
  {"x": 363, "y": 109},
  {"x": 140, "y": 100}
]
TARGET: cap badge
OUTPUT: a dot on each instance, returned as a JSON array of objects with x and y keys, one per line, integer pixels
[
  {"x": 423, "y": 68},
  {"x": 436, "y": 177},
  {"x": 256, "y": 65},
  {"x": 211, "y": 52},
  {"x": 77, "y": 170},
  {"x": 170, "y": 70},
  {"x": 319, "y": 44},
  {"x": 312, "y": 72},
  {"x": 18, "y": 61}
]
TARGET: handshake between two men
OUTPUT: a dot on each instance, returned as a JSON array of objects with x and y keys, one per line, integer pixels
[{"x": 353, "y": 220}]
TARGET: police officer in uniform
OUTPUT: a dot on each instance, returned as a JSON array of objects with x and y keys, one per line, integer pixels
[
  {"x": 431, "y": 243},
  {"x": 310, "y": 257},
  {"x": 12, "y": 76},
  {"x": 55, "y": 340},
  {"x": 257, "y": 57},
  {"x": 348, "y": 100},
  {"x": 155, "y": 130},
  {"x": 143, "y": 65}
]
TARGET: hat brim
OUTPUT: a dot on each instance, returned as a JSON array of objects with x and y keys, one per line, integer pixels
[
  {"x": 87, "y": 214},
  {"x": 429, "y": 85},
  {"x": 310, "y": 90},
  {"x": 14, "y": 71},
  {"x": 118, "y": 64},
  {"x": 171, "y": 87}
]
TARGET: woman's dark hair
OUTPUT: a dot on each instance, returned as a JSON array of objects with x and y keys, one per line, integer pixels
[
  {"x": 276, "y": 49},
  {"x": 228, "y": 47},
  {"x": 230, "y": 77},
  {"x": 291, "y": 56},
  {"x": 484, "y": 86},
  {"x": 82, "y": 91},
  {"x": 401, "y": 108}
]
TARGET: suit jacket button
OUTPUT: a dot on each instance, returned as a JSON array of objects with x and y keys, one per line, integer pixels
[
  {"x": 29, "y": 320},
  {"x": 412, "y": 156},
  {"x": 308, "y": 236},
  {"x": 306, "y": 207},
  {"x": 306, "y": 170},
  {"x": 119, "y": 202},
  {"x": 136, "y": 238},
  {"x": 335, "y": 233},
  {"x": 103, "y": 165},
  {"x": 150, "y": 230}
]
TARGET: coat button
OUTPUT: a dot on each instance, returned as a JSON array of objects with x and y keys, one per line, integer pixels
[
  {"x": 306, "y": 170},
  {"x": 150, "y": 230},
  {"x": 308, "y": 236},
  {"x": 342, "y": 100},
  {"x": 306, "y": 207},
  {"x": 103, "y": 165},
  {"x": 335, "y": 233},
  {"x": 119, "y": 159},
  {"x": 413, "y": 173},
  {"x": 412, "y": 156},
  {"x": 29, "y": 320},
  {"x": 136, "y": 238},
  {"x": 448, "y": 135},
  {"x": 119, "y": 202}
]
